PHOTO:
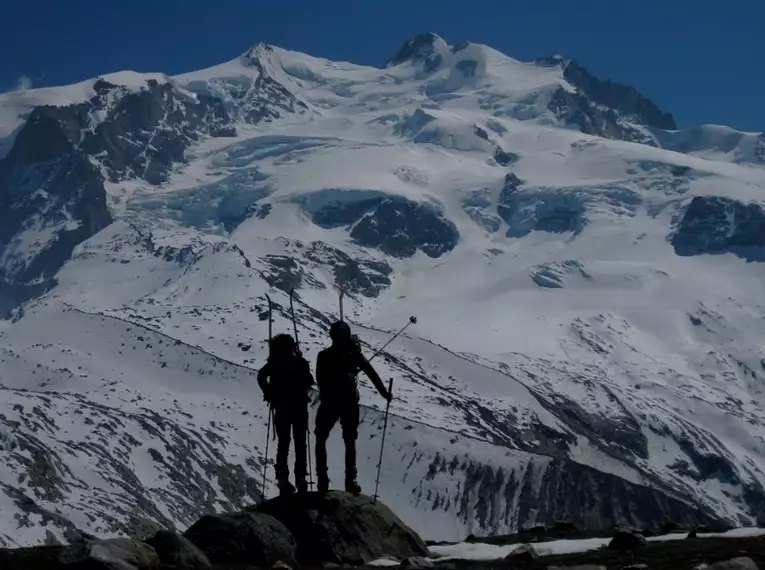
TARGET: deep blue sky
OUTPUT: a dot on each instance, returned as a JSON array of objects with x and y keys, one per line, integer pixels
[{"x": 703, "y": 60}]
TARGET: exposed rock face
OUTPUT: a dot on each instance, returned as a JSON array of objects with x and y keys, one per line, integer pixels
[
  {"x": 50, "y": 196},
  {"x": 265, "y": 99},
  {"x": 714, "y": 224},
  {"x": 553, "y": 489},
  {"x": 396, "y": 226},
  {"x": 558, "y": 210},
  {"x": 625, "y": 99},
  {"x": 366, "y": 277},
  {"x": 251, "y": 538},
  {"x": 344, "y": 529},
  {"x": 577, "y": 110},
  {"x": 52, "y": 191},
  {"x": 555, "y": 275},
  {"x": 419, "y": 49}
]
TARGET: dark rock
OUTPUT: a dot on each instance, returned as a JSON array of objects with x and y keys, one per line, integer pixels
[
  {"x": 524, "y": 554},
  {"x": 740, "y": 563},
  {"x": 243, "y": 538},
  {"x": 622, "y": 98},
  {"x": 264, "y": 99},
  {"x": 420, "y": 50},
  {"x": 505, "y": 158},
  {"x": 577, "y": 110},
  {"x": 692, "y": 534},
  {"x": 647, "y": 532},
  {"x": 342, "y": 528},
  {"x": 368, "y": 277},
  {"x": 476, "y": 205},
  {"x": 395, "y": 225},
  {"x": 627, "y": 541},
  {"x": 714, "y": 224},
  {"x": 176, "y": 550},
  {"x": 110, "y": 554},
  {"x": 668, "y": 527},
  {"x": 562, "y": 526}
]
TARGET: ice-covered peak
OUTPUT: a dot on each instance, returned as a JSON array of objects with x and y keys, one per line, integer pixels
[
  {"x": 427, "y": 49},
  {"x": 258, "y": 54}
]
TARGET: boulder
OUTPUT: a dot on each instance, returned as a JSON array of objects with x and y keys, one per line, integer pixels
[
  {"x": 564, "y": 526},
  {"x": 247, "y": 538},
  {"x": 178, "y": 551},
  {"x": 524, "y": 554},
  {"x": 740, "y": 563},
  {"x": 343, "y": 528},
  {"x": 110, "y": 554},
  {"x": 623, "y": 540}
]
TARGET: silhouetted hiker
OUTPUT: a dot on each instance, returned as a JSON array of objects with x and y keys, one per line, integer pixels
[
  {"x": 289, "y": 379},
  {"x": 336, "y": 370}
]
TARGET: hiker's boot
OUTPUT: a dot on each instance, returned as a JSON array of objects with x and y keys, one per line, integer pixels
[
  {"x": 322, "y": 484},
  {"x": 352, "y": 487},
  {"x": 286, "y": 488}
]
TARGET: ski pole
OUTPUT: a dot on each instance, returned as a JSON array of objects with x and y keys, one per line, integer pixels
[
  {"x": 268, "y": 429},
  {"x": 382, "y": 443},
  {"x": 412, "y": 321},
  {"x": 268, "y": 438},
  {"x": 308, "y": 428}
]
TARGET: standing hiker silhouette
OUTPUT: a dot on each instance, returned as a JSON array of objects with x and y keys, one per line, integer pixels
[
  {"x": 285, "y": 380},
  {"x": 336, "y": 370}
]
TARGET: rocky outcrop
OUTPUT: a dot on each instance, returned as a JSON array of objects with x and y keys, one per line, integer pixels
[
  {"x": 576, "y": 109},
  {"x": 179, "y": 552},
  {"x": 52, "y": 181},
  {"x": 111, "y": 554},
  {"x": 626, "y": 100},
  {"x": 714, "y": 224},
  {"x": 342, "y": 528},
  {"x": 394, "y": 225},
  {"x": 251, "y": 538}
]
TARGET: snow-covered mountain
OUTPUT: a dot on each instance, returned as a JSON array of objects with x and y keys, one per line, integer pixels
[{"x": 586, "y": 278}]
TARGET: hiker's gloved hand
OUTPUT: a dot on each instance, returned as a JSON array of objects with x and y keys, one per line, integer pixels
[{"x": 388, "y": 396}]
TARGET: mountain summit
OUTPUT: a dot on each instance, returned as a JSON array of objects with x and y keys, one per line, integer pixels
[{"x": 586, "y": 277}]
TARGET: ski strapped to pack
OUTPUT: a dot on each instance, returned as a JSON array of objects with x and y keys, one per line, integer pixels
[
  {"x": 268, "y": 429},
  {"x": 297, "y": 343}
]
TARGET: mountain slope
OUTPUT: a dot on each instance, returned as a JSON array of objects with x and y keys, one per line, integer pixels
[{"x": 587, "y": 286}]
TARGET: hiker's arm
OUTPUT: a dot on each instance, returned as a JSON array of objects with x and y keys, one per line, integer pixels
[
  {"x": 263, "y": 374},
  {"x": 371, "y": 373}
]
